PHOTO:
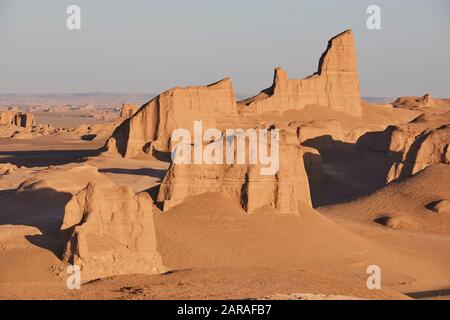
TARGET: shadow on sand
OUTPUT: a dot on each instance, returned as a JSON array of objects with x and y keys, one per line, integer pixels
[
  {"x": 42, "y": 209},
  {"x": 46, "y": 157},
  {"x": 349, "y": 172},
  {"x": 155, "y": 173}
]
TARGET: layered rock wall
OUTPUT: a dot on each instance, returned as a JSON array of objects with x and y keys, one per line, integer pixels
[
  {"x": 335, "y": 85},
  {"x": 176, "y": 108},
  {"x": 243, "y": 182},
  {"x": 18, "y": 119},
  {"x": 110, "y": 232},
  {"x": 413, "y": 147},
  {"x": 128, "y": 110}
]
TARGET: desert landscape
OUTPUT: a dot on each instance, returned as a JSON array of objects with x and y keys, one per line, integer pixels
[{"x": 90, "y": 181}]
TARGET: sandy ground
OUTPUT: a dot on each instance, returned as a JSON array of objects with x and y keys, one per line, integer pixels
[{"x": 66, "y": 119}]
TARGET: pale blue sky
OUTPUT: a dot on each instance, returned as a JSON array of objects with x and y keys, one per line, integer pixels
[{"x": 148, "y": 46}]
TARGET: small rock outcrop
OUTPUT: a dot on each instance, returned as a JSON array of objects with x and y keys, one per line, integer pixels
[
  {"x": 128, "y": 110},
  {"x": 415, "y": 102},
  {"x": 111, "y": 232},
  {"x": 22, "y": 126},
  {"x": 17, "y": 119},
  {"x": 7, "y": 168},
  {"x": 440, "y": 207},
  {"x": 95, "y": 131}
]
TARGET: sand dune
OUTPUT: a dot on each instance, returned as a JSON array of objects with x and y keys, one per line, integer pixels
[{"x": 407, "y": 204}]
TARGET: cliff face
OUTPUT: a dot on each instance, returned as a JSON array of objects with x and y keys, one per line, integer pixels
[
  {"x": 415, "y": 102},
  {"x": 173, "y": 109},
  {"x": 18, "y": 119},
  {"x": 281, "y": 191},
  {"x": 413, "y": 146},
  {"x": 111, "y": 232},
  {"x": 335, "y": 85},
  {"x": 128, "y": 109},
  {"x": 419, "y": 150}
]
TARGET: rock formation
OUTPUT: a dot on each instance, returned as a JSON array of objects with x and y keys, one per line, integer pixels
[
  {"x": 318, "y": 134},
  {"x": 108, "y": 230},
  {"x": 95, "y": 131},
  {"x": 440, "y": 207},
  {"x": 413, "y": 147},
  {"x": 415, "y": 102},
  {"x": 335, "y": 85},
  {"x": 427, "y": 100},
  {"x": 243, "y": 182},
  {"x": 7, "y": 168},
  {"x": 419, "y": 151},
  {"x": 128, "y": 110},
  {"x": 152, "y": 125},
  {"x": 111, "y": 232},
  {"x": 314, "y": 168},
  {"x": 18, "y": 125},
  {"x": 17, "y": 119}
]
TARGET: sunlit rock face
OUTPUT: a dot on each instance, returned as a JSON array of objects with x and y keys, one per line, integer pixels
[{"x": 335, "y": 84}]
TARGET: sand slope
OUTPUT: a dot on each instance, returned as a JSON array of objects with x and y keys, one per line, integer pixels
[{"x": 411, "y": 204}]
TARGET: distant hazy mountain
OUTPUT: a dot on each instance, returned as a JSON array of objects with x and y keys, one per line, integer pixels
[
  {"x": 379, "y": 99},
  {"x": 106, "y": 100},
  {"x": 112, "y": 100}
]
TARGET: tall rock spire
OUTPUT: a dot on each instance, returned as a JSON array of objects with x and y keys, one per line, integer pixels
[{"x": 335, "y": 84}]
